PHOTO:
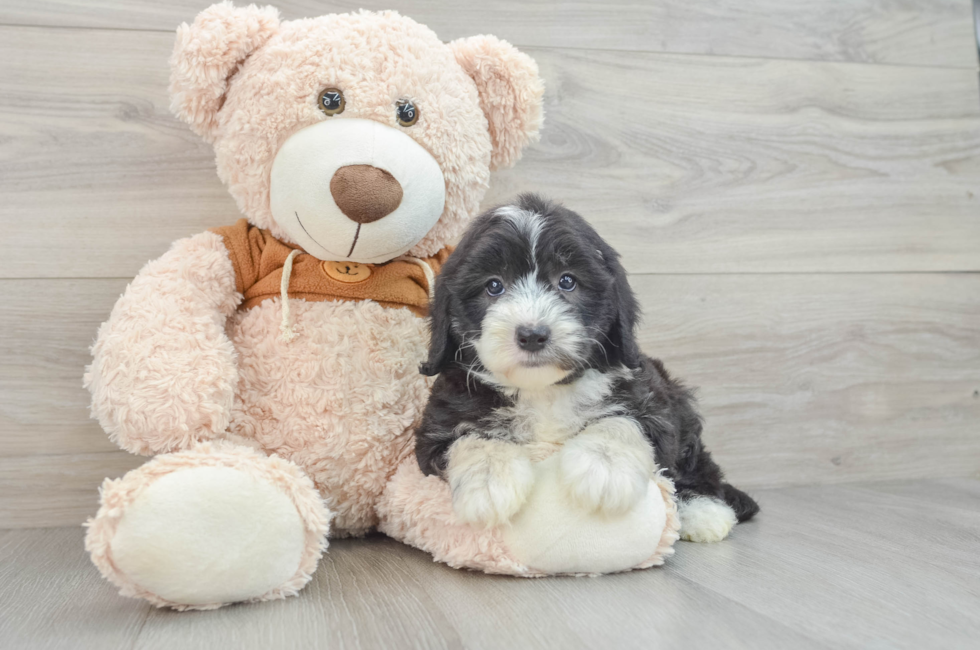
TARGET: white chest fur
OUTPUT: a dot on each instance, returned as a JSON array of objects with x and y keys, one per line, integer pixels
[{"x": 544, "y": 419}]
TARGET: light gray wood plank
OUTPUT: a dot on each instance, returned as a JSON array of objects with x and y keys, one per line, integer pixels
[
  {"x": 802, "y": 379},
  {"x": 854, "y": 574},
  {"x": 686, "y": 163},
  {"x": 109, "y": 210},
  {"x": 826, "y": 378},
  {"x": 822, "y": 566},
  {"x": 906, "y": 518},
  {"x": 46, "y": 328},
  {"x": 917, "y": 32},
  {"x": 376, "y": 593},
  {"x": 634, "y": 610},
  {"x": 362, "y": 596},
  {"x": 961, "y": 493},
  {"x": 56, "y": 490},
  {"x": 51, "y": 596},
  {"x": 715, "y": 165}
]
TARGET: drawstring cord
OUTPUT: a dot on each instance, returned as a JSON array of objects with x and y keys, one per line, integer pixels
[
  {"x": 430, "y": 277},
  {"x": 286, "y": 333}
]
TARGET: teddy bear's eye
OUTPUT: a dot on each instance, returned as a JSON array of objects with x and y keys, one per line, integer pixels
[
  {"x": 407, "y": 113},
  {"x": 331, "y": 101}
]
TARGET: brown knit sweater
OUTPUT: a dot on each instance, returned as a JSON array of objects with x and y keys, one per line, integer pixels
[{"x": 259, "y": 258}]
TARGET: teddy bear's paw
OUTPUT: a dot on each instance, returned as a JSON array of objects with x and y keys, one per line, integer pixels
[
  {"x": 607, "y": 467},
  {"x": 490, "y": 480},
  {"x": 705, "y": 519},
  {"x": 212, "y": 525}
]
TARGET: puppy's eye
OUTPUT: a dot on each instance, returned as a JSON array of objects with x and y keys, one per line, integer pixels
[
  {"x": 331, "y": 101},
  {"x": 495, "y": 287},
  {"x": 566, "y": 283},
  {"x": 407, "y": 113}
]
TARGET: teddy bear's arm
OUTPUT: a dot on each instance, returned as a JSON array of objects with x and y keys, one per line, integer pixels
[{"x": 164, "y": 372}]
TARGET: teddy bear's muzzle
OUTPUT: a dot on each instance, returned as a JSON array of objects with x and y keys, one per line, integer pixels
[
  {"x": 365, "y": 193},
  {"x": 352, "y": 189}
]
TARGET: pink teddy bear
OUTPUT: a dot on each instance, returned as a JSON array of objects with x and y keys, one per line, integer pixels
[{"x": 273, "y": 365}]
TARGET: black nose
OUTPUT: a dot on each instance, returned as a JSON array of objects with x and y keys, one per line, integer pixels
[{"x": 534, "y": 338}]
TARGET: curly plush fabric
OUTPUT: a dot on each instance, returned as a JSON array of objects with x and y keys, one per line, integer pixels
[
  {"x": 479, "y": 100},
  {"x": 340, "y": 400},
  {"x": 510, "y": 93},
  {"x": 207, "y": 54},
  {"x": 118, "y": 495},
  {"x": 417, "y": 509},
  {"x": 189, "y": 368},
  {"x": 171, "y": 317}
]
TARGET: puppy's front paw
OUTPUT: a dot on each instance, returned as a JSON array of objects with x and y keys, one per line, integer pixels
[
  {"x": 607, "y": 467},
  {"x": 705, "y": 519},
  {"x": 490, "y": 480}
]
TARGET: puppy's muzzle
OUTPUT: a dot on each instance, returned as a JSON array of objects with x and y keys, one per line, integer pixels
[
  {"x": 532, "y": 339},
  {"x": 365, "y": 193}
]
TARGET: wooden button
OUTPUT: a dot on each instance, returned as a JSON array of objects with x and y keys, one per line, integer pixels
[{"x": 349, "y": 272}]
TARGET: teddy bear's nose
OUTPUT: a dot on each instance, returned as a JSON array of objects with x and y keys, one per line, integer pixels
[{"x": 365, "y": 193}]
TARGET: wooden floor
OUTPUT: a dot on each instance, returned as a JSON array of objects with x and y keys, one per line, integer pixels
[
  {"x": 795, "y": 188},
  {"x": 883, "y": 565}
]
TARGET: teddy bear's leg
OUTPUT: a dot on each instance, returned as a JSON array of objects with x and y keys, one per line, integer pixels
[
  {"x": 549, "y": 535},
  {"x": 212, "y": 525},
  {"x": 418, "y": 510}
]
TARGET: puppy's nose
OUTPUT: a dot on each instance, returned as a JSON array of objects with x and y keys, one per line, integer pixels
[
  {"x": 534, "y": 338},
  {"x": 365, "y": 193}
]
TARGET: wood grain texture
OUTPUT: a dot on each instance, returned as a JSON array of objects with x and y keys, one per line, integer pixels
[
  {"x": 52, "y": 597},
  {"x": 826, "y": 378},
  {"x": 638, "y": 610},
  {"x": 56, "y": 489},
  {"x": 686, "y": 163},
  {"x": 914, "y": 32},
  {"x": 852, "y": 566},
  {"x": 46, "y": 328},
  {"x": 803, "y": 378},
  {"x": 363, "y": 596},
  {"x": 715, "y": 165}
]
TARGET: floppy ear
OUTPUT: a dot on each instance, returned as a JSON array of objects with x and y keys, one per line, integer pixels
[
  {"x": 442, "y": 344},
  {"x": 622, "y": 335},
  {"x": 207, "y": 53},
  {"x": 510, "y": 90}
]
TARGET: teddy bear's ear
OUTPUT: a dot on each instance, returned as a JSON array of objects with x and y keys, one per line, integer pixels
[
  {"x": 510, "y": 93},
  {"x": 208, "y": 53}
]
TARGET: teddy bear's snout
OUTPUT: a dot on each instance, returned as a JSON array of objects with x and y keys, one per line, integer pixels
[{"x": 365, "y": 193}]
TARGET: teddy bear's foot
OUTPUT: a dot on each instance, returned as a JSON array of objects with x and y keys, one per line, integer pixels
[
  {"x": 549, "y": 535},
  {"x": 213, "y": 525}
]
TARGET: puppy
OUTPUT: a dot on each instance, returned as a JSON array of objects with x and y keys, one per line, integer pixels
[{"x": 533, "y": 341}]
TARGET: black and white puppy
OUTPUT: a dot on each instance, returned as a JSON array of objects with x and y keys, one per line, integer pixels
[{"x": 533, "y": 341}]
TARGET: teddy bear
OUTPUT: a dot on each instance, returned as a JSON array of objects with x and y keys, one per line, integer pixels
[{"x": 271, "y": 366}]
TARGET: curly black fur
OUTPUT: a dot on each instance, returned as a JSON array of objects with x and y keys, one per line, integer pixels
[{"x": 464, "y": 403}]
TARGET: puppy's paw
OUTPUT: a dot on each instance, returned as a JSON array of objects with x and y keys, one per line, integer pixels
[
  {"x": 490, "y": 480},
  {"x": 607, "y": 467},
  {"x": 705, "y": 519}
]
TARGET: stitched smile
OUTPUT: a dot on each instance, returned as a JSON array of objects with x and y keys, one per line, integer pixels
[
  {"x": 318, "y": 243},
  {"x": 356, "y": 234},
  {"x": 354, "y": 243}
]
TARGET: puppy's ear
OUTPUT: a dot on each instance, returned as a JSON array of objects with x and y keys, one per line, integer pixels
[
  {"x": 207, "y": 53},
  {"x": 622, "y": 344},
  {"x": 511, "y": 93},
  {"x": 442, "y": 344}
]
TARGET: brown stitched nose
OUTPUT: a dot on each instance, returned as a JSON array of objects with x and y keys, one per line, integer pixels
[{"x": 365, "y": 193}]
